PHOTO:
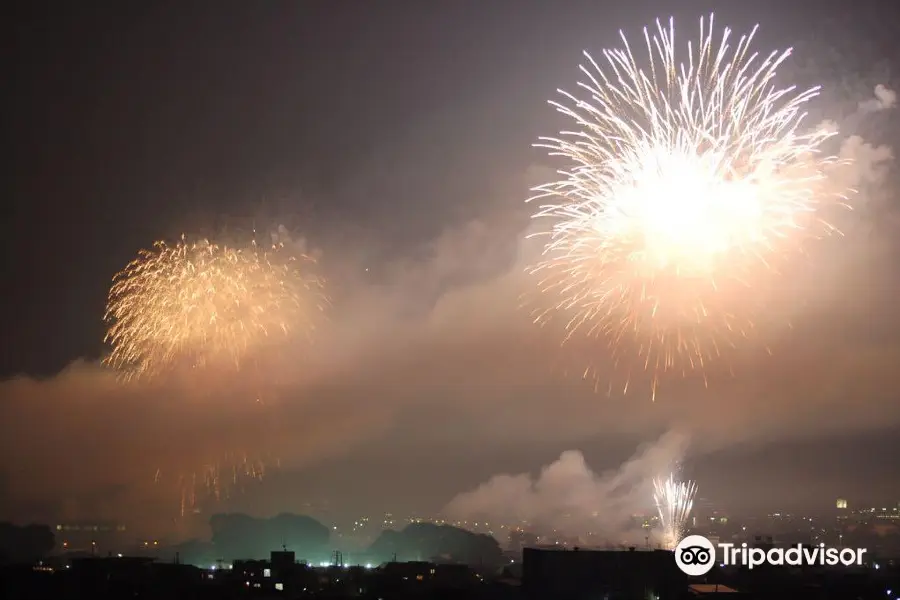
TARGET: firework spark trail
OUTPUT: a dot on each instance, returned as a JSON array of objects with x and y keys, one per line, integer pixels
[
  {"x": 220, "y": 480},
  {"x": 686, "y": 182},
  {"x": 674, "y": 500},
  {"x": 200, "y": 304}
]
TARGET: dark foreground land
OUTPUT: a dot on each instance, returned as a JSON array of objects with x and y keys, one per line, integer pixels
[{"x": 542, "y": 575}]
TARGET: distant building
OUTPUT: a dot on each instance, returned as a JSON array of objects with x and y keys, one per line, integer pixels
[
  {"x": 411, "y": 578},
  {"x": 281, "y": 572},
  {"x": 587, "y": 574},
  {"x": 841, "y": 503},
  {"x": 518, "y": 540},
  {"x": 283, "y": 560}
]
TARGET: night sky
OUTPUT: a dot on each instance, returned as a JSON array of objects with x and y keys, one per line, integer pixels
[{"x": 395, "y": 137}]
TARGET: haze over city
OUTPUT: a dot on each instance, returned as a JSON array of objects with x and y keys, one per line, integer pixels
[{"x": 399, "y": 157}]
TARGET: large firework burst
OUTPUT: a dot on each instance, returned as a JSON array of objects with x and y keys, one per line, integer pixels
[
  {"x": 199, "y": 303},
  {"x": 688, "y": 183}
]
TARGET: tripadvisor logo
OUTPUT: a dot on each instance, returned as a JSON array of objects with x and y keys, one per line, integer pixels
[{"x": 695, "y": 555}]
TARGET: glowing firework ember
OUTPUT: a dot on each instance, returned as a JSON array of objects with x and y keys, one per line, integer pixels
[
  {"x": 674, "y": 501},
  {"x": 200, "y": 304},
  {"x": 687, "y": 182}
]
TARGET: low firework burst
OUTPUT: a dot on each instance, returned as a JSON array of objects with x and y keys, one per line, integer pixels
[{"x": 674, "y": 500}]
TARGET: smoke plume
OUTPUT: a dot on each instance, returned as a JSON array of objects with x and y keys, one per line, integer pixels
[
  {"x": 883, "y": 100},
  {"x": 570, "y": 499}
]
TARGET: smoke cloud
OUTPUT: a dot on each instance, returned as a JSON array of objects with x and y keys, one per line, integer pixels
[
  {"x": 569, "y": 498},
  {"x": 883, "y": 100}
]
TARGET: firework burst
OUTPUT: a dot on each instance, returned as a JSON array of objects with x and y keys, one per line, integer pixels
[
  {"x": 200, "y": 304},
  {"x": 674, "y": 500},
  {"x": 687, "y": 184}
]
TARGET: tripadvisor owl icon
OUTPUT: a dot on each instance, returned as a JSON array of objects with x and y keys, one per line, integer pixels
[{"x": 695, "y": 555}]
